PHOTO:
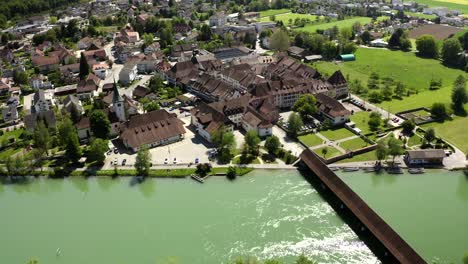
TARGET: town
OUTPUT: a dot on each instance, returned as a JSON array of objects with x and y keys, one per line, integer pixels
[{"x": 82, "y": 90}]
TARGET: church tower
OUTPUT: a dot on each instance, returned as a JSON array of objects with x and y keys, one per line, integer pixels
[{"x": 118, "y": 104}]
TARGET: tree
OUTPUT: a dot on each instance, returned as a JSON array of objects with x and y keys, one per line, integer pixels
[
  {"x": 329, "y": 50},
  {"x": 272, "y": 144},
  {"x": 405, "y": 44},
  {"x": 231, "y": 173},
  {"x": 143, "y": 161},
  {"x": 438, "y": 111},
  {"x": 41, "y": 137},
  {"x": 205, "y": 33},
  {"x": 387, "y": 92},
  {"x": 450, "y": 52},
  {"x": 381, "y": 151},
  {"x": 20, "y": 77},
  {"x": 366, "y": 37},
  {"x": 465, "y": 258},
  {"x": 375, "y": 97},
  {"x": 84, "y": 67},
  {"x": 148, "y": 39},
  {"x": 156, "y": 84},
  {"x": 435, "y": 84},
  {"x": 305, "y": 105},
  {"x": 97, "y": 150},
  {"x": 75, "y": 115},
  {"x": 394, "y": 40},
  {"x": 252, "y": 142},
  {"x": 294, "y": 124},
  {"x": 427, "y": 47},
  {"x": 324, "y": 151},
  {"x": 72, "y": 148},
  {"x": 68, "y": 139},
  {"x": 279, "y": 40},
  {"x": 224, "y": 142},
  {"x": 373, "y": 81},
  {"x": 429, "y": 135},
  {"x": 400, "y": 89},
  {"x": 375, "y": 121},
  {"x": 394, "y": 148},
  {"x": 408, "y": 126},
  {"x": 459, "y": 95},
  {"x": 304, "y": 260},
  {"x": 100, "y": 124}
]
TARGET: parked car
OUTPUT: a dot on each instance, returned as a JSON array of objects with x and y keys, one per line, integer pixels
[
  {"x": 165, "y": 161},
  {"x": 116, "y": 162},
  {"x": 124, "y": 161},
  {"x": 175, "y": 160},
  {"x": 197, "y": 160},
  {"x": 116, "y": 150}
]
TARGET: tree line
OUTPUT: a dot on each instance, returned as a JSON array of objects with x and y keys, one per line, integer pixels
[{"x": 10, "y": 9}]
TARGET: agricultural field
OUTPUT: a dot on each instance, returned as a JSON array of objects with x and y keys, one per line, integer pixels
[
  {"x": 439, "y": 32},
  {"x": 453, "y": 131},
  {"x": 311, "y": 140},
  {"x": 270, "y": 12},
  {"x": 401, "y": 66},
  {"x": 285, "y": 17},
  {"x": 460, "y": 5}
]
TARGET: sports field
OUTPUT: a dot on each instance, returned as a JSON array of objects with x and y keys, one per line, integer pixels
[{"x": 401, "y": 66}]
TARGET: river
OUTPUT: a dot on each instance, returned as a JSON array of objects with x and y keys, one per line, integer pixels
[
  {"x": 429, "y": 211},
  {"x": 267, "y": 214}
]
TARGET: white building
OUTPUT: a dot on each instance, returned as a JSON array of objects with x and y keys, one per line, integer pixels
[
  {"x": 43, "y": 100},
  {"x": 128, "y": 74}
]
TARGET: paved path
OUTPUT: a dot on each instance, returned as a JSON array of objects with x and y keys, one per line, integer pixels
[{"x": 385, "y": 114}]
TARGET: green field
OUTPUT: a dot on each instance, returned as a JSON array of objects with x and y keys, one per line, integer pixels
[
  {"x": 270, "y": 12},
  {"x": 311, "y": 140},
  {"x": 339, "y": 23},
  {"x": 420, "y": 15},
  {"x": 332, "y": 152},
  {"x": 336, "y": 134},
  {"x": 401, "y": 66},
  {"x": 461, "y": 5},
  {"x": 361, "y": 119},
  {"x": 368, "y": 156},
  {"x": 353, "y": 144},
  {"x": 453, "y": 131},
  {"x": 285, "y": 17}
]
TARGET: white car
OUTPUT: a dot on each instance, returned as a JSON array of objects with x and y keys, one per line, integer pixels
[{"x": 116, "y": 162}]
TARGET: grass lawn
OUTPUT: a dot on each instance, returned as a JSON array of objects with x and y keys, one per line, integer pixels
[
  {"x": 414, "y": 140},
  {"x": 107, "y": 29},
  {"x": 311, "y": 140},
  {"x": 335, "y": 134},
  {"x": 285, "y": 18},
  {"x": 271, "y": 12},
  {"x": 402, "y": 66},
  {"x": 339, "y": 23},
  {"x": 453, "y": 131},
  {"x": 368, "y": 156},
  {"x": 460, "y": 5},
  {"x": 361, "y": 119},
  {"x": 353, "y": 144},
  {"x": 420, "y": 15},
  {"x": 237, "y": 160},
  {"x": 11, "y": 134},
  {"x": 332, "y": 152}
]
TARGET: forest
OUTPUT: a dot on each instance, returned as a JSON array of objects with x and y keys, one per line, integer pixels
[{"x": 11, "y": 9}]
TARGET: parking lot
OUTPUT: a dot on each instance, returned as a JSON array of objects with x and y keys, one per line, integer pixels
[{"x": 189, "y": 150}]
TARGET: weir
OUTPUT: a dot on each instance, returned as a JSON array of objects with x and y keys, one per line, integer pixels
[{"x": 396, "y": 249}]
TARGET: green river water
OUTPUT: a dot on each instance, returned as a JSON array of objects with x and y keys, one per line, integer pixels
[
  {"x": 99, "y": 220},
  {"x": 429, "y": 211}
]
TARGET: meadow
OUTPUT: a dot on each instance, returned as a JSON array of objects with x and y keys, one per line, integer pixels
[
  {"x": 271, "y": 12},
  {"x": 286, "y": 16},
  {"x": 401, "y": 66},
  {"x": 453, "y": 131},
  {"x": 461, "y": 5}
]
